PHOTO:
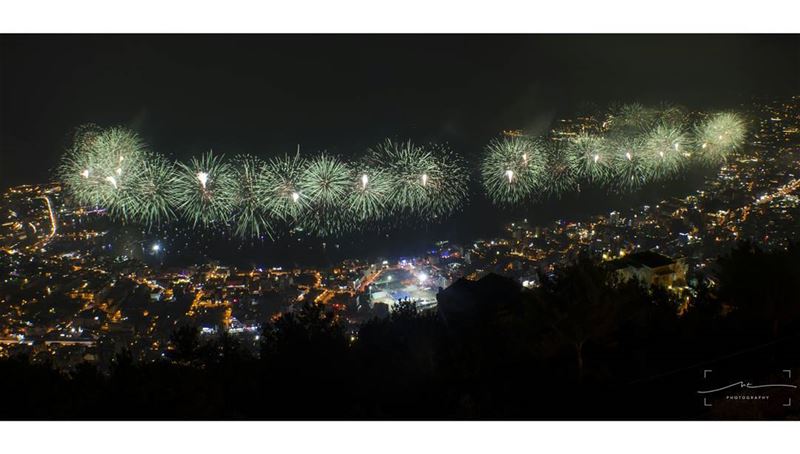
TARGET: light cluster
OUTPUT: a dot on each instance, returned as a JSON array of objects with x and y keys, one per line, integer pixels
[
  {"x": 638, "y": 145},
  {"x": 322, "y": 194}
]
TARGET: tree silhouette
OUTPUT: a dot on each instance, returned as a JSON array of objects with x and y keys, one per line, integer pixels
[
  {"x": 583, "y": 304},
  {"x": 760, "y": 285},
  {"x": 185, "y": 344},
  {"x": 311, "y": 329}
]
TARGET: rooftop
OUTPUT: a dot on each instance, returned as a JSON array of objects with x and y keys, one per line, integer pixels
[{"x": 647, "y": 259}]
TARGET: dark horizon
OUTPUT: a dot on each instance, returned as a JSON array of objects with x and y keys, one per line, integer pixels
[{"x": 342, "y": 93}]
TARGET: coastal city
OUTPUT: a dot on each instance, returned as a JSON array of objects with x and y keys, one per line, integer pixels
[
  {"x": 74, "y": 288},
  {"x": 259, "y": 225}
]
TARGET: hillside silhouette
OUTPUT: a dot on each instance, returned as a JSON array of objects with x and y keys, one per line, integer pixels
[{"x": 582, "y": 345}]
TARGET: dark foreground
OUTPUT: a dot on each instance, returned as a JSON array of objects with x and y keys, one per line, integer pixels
[{"x": 581, "y": 346}]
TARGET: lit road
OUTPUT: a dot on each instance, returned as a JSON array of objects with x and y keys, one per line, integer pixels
[{"x": 53, "y": 225}]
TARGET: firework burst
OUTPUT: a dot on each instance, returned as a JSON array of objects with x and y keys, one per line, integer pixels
[
  {"x": 101, "y": 166},
  {"x": 412, "y": 170},
  {"x": 718, "y": 136},
  {"x": 250, "y": 213},
  {"x": 513, "y": 169},
  {"x": 559, "y": 177},
  {"x": 446, "y": 183},
  {"x": 326, "y": 183},
  {"x": 77, "y": 169},
  {"x": 426, "y": 182},
  {"x": 370, "y": 189},
  {"x": 152, "y": 196},
  {"x": 666, "y": 148},
  {"x": 205, "y": 189},
  {"x": 631, "y": 164},
  {"x": 635, "y": 118},
  {"x": 671, "y": 115},
  {"x": 281, "y": 182},
  {"x": 589, "y": 158},
  {"x": 629, "y": 118}
]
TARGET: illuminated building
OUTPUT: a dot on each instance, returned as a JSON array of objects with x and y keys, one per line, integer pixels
[{"x": 651, "y": 268}]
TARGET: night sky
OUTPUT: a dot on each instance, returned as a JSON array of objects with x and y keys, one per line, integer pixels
[{"x": 265, "y": 94}]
